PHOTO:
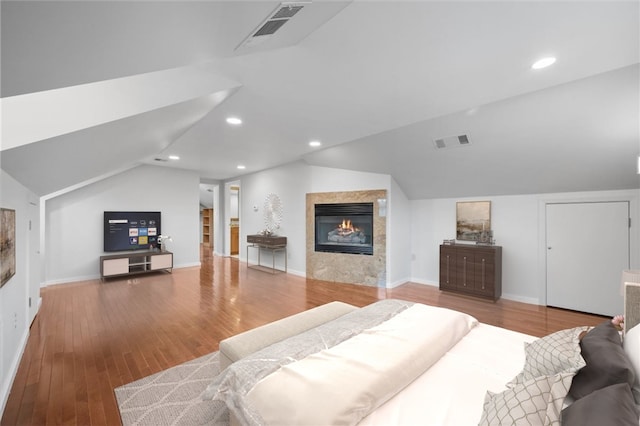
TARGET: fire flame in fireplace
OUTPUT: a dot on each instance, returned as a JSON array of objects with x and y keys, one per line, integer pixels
[{"x": 346, "y": 228}]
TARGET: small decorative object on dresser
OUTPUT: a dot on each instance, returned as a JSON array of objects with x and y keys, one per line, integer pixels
[
  {"x": 486, "y": 238},
  {"x": 471, "y": 269}
]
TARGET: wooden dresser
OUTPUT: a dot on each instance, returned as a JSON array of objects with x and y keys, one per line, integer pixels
[{"x": 471, "y": 269}]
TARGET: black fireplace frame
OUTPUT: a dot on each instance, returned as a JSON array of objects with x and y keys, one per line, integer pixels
[{"x": 346, "y": 210}]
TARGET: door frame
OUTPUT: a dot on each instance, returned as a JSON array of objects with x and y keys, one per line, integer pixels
[
  {"x": 631, "y": 196},
  {"x": 227, "y": 216}
]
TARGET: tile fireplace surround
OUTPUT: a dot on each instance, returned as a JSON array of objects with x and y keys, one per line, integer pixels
[{"x": 343, "y": 267}]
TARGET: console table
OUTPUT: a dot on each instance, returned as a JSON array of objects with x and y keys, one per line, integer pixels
[
  {"x": 270, "y": 243},
  {"x": 135, "y": 263}
]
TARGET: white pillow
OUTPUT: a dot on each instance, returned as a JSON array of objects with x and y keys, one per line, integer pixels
[
  {"x": 554, "y": 353},
  {"x": 631, "y": 346}
]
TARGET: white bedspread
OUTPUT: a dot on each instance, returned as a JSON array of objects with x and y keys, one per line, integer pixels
[
  {"x": 452, "y": 391},
  {"x": 344, "y": 383}
]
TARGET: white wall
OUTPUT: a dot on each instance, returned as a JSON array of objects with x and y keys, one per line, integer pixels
[
  {"x": 234, "y": 203},
  {"x": 398, "y": 213},
  {"x": 218, "y": 228},
  {"x": 74, "y": 221},
  {"x": 291, "y": 183},
  {"x": 518, "y": 226},
  {"x": 398, "y": 237},
  {"x": 15, "y": 317}
]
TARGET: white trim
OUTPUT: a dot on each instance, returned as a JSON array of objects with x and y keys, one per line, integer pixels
[
  {"x": 424, "y": 282},
  {"x": 631, "y": 196},
  {"x": 97, "y": 276},
  {"x": 297, "y": 273},
  {"x": 516, "y": 298},
  {"x": 505, "y": 296},
  {"x": 398, "y": 283},
  {"x": 8, "y": 383}
]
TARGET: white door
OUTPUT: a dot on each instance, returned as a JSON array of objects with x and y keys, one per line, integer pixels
[{"x": 587, "y": 249}]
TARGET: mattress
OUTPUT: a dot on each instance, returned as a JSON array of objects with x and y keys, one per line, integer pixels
[
  {"x": 452, "y": 391},
  {"x": 395, "y": 362}
]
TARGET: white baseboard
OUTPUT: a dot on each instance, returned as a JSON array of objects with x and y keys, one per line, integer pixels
[
  {"x": 398, "y": 283},
  {"x": 298, "y": 273},
  {"x": 13, "y": 370},
  {"x": 97, "y": 276},
  {"x": 507, "y": 296},
  {"x": 187, "y": 265},
  {"x": 71, "y": 280},
  {"x": 515, "y": 298},
  {"x": 424, "y": 282}
]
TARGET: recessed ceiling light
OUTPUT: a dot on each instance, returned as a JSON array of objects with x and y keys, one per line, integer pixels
[
  {"x": 543, "y": 63},
  {"x": 241, "y": 167},
  {"x": 315, "y": 143},
  {"x": 174, "y": 157},
  {"x": 234, "y": 121}
]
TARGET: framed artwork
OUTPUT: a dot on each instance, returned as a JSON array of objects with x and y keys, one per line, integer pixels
[
  {"x": 473, "y": 220},
  {"x": 7, "y": 245}
]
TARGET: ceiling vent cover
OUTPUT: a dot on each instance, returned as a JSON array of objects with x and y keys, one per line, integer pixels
[
  {"x": 276, "y": 19},
  {"x": 452, "y": 141},
  {"x": 286, "y": 11}
]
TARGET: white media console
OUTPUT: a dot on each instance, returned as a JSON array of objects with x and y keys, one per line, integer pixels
[{"x": 135, "y": 263}]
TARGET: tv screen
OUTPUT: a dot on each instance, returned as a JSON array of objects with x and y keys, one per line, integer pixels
[{"x": 131, "y": 230}]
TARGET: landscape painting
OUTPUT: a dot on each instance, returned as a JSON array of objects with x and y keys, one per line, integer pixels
[
  {"x": 473, "y": 220},
  {"x": 7, "y": 245}
]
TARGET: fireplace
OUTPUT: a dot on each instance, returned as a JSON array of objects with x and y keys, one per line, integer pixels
[{"x": 344, "y": 228}]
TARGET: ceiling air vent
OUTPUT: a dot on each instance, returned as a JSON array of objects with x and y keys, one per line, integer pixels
[
  {"x": 452, "y": 141},
  {"x": 275, "y": 20},
  {"x": 440, "y": 143}
]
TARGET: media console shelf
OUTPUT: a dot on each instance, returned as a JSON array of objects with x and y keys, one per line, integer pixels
[{"x": 115, "y": 265}]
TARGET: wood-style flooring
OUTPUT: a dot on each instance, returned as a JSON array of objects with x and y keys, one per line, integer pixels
[{"x": 91, "y": 337}]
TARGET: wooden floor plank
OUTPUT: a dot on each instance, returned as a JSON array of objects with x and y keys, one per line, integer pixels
[{"x": 93, "y": 336}]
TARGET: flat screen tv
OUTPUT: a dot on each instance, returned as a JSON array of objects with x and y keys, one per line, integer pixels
[{"x": 131, "y": 230}]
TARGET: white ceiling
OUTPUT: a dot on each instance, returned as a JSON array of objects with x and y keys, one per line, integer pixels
[{"x": 375, "y": 81}]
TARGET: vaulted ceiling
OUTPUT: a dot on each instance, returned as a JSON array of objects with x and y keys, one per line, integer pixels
[{"x": 95, "y": 87}]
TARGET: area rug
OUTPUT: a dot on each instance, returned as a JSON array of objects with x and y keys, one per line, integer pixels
[{"x": 172, "y": 396}]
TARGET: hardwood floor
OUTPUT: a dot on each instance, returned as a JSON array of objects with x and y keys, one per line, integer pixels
[{"x": 91, "y": 337}]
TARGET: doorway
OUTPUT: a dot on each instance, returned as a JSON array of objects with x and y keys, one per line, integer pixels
[
  {"x": 234, "y": 220},
  {"x": 587, "y": 247},
  {"x": 208, "y": 214}
]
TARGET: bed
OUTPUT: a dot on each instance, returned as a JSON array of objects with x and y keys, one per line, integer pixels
[{"x": 398, "y": 362}]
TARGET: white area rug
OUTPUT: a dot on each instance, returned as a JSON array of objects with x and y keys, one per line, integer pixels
[{"x": 172, "y": 396}]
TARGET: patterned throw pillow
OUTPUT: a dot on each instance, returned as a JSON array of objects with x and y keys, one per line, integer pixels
[
  {"x": 535, "y": 402},
  {"x": 552, "y": 354}
]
